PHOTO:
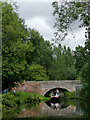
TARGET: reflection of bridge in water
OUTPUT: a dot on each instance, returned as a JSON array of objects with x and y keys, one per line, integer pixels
[
  {"x": 44, "y": 110},
  {"x": 47, "y": 111},
  {"x": 42, "y": 87}
]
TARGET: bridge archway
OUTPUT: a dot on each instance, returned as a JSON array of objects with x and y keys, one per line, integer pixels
[{"x": 46, "y": 94}]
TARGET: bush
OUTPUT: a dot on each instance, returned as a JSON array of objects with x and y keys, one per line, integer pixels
[
  {"x": 24, "y": 97},
  {"x": 70, "y": 95},
  {"x": 9, "y": 100}
]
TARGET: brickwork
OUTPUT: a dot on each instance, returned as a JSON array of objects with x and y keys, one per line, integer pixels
[{"x": 42, "y": 87}]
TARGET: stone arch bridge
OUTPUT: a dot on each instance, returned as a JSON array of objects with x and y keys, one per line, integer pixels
[{"x": 42, "y": 87}]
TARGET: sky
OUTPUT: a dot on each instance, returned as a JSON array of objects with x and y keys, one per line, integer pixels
[{"x": 39, "y": 15}]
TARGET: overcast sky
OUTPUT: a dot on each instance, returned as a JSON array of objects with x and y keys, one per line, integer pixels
[{"x": 38, "y": 15}]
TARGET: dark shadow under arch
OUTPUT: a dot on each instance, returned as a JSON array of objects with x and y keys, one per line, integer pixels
[{"x": 60, "y": 89}]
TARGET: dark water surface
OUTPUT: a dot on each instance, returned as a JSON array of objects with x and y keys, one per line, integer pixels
[{"x": 61, "y": 108}]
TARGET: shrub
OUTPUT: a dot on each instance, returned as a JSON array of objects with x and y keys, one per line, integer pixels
[
  {"x": 9, "y": 100},
  {"x": 70, "y": 95},
  {"x": 29, "y": 97}
]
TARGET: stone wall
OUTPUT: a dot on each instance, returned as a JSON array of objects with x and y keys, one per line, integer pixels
[
  {"x": 42, "y": 87},
  {"x": 78, "y": 89}
]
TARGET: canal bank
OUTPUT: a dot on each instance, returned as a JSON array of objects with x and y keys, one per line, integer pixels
[{"x": 26, "y": 105}]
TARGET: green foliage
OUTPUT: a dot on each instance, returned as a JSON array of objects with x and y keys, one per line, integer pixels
[
  {"x": 13, "y": 27},
  {"x": 9, "y": 100},
  {"x": 85, "y": 106},
  {"x": 58, "y": 70},
  {"x": 68, "y": 12},
  {"x": 10, "y": 113},
  {"x": 80, "y": 55},
  {"x": 62, "y": 67},
  {"x": 21, "y": 48},
  {"x": 15, "y": 47},
  {"x": 84, "y": 94},
  {"x": 42, "y": 50},
  {"x": 71, "y": 102},
  {"x": 70, "y": 95},
  {"x": 26, "y": 56},
  {"x": 0, "y": 106},
  {"x": 20, "y": 101},
  {"x": 27, "y": 97},
  {"x": 14, "y": 62},
  {"x": 82, "y": 62},
  {"x": 37, "y": 73},
  {"x": 78, "y": 76},
  {"x": 84, "y": 73},
  {"x": 71, "y": 73}
]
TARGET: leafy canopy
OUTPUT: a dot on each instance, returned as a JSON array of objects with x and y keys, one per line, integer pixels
[{"x": 68, "y": 12}]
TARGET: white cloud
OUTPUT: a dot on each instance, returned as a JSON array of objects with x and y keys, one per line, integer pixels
[
  {"x": 40, "y": 0},
  {"x": 40, "y": 24},
  {"x": 39, "y": 16},
  {"x": 78, "y": 40}
]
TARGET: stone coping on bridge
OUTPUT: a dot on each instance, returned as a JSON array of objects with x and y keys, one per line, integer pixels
[{"x": 56, "y": 81}]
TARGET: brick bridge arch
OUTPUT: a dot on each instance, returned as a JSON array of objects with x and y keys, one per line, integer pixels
[
  {"x": 52, "y": 89},
  {"x": 42, "y": 87}
]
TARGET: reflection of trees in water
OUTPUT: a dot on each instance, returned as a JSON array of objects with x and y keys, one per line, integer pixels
[
  {"x": 57, "y": 104},
  {"x": 82, "y": 108}
]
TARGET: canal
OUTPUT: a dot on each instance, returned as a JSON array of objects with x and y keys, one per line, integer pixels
[{"x": 62, "y": 108}]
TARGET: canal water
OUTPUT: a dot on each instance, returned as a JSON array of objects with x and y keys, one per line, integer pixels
[{"x": 61, "y": 108}]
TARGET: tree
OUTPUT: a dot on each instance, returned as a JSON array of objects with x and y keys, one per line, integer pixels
[
  {"x": 62, "y": 66},
  {"x": 15, "y": 46},
  {"x": 80, "y": 55},
  {"x": 42, "y": 50},
  {"x": 13, "y": 27},
  {"x": 25, "y": 53},
  {"x": 37, "y": 72},
  {"x": 0, "y": 47},
  {"x": 66, "y": 13},
  {"x": 71, "y": 73}
]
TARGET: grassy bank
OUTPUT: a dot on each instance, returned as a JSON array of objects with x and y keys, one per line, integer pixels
[
  {"x": 12, "y": 104},
  {"x": 10, "y": 101}
]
